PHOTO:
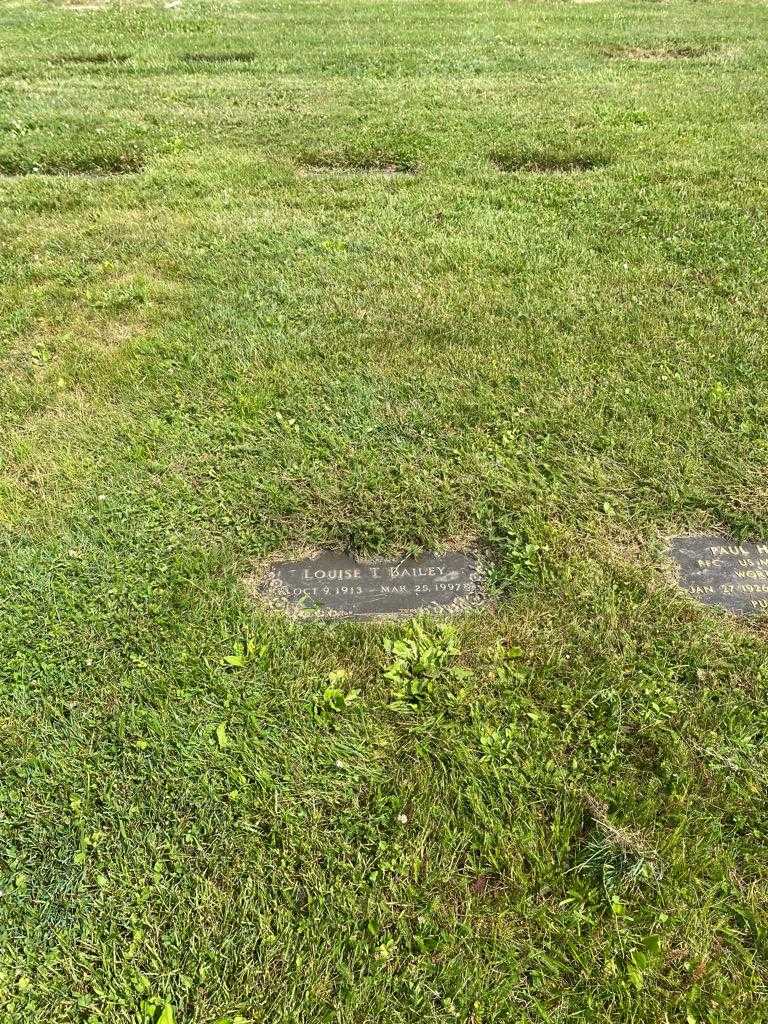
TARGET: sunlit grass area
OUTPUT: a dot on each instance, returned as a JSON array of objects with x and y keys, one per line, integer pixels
[{"x": 380, "y": 277}]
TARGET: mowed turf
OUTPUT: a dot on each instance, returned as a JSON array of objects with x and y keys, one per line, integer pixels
[{"x": 380, "y": 276}]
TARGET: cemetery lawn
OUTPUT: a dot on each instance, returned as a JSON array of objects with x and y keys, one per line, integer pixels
[{"x": 380, "y": 277}]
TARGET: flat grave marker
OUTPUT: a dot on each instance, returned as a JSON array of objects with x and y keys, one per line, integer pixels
[
  {"x": 723, "y": 572},
  {"x": 329, "y": 585}
]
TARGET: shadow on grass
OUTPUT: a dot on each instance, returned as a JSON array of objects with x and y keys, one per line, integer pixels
[
  {"x": 372, "y": 163},
  {"x": 659, "y": 53},
  {"x": 72, "y": 164},
  {"x": 244, "y": 57},
  {"x": 91, "y": 59},
  {"x": 547, "y": 162}
]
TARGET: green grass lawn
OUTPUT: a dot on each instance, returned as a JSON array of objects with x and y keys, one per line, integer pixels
[{"x": 380, "y": 276}]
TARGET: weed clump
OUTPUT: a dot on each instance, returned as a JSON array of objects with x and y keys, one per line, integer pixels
[
  {"x": 422, "y": 665},
  {"x": 619, "y": 856}
]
